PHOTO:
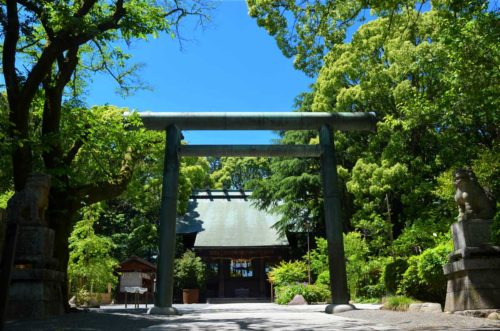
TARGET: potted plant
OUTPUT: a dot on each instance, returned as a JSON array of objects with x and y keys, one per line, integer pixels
[{"x": 189, "y": 276}]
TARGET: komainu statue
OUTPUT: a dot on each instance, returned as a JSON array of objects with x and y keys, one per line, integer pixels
[
  {"x": 27, "y": 207},
  {"x": 473, "y": 202}
]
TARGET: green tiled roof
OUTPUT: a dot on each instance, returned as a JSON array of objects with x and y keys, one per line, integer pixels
[{"x": 229, "y": 220}]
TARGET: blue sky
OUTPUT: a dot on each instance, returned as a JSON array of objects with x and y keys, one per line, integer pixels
[{"x": 231, "y": 66}]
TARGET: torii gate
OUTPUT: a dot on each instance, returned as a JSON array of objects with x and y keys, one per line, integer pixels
[{"x": 173, "y": 123}]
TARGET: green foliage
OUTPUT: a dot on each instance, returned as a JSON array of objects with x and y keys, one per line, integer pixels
[
  {"x": 323, "y": 278},
  {"x": 83, "y": 297},
  {"x": 398, "y": 303},
  {"x": 363, "y": 273},
  {"x": 319, "y": 257},
  {"x": 4, "y": 198},
  {"x": 288, "y": 273},
  {"x": 91, "y": 266},
  {"x": 237, "y": 172},
  {"x": 430, "y": 268},
  {"x": 51, "y": 51},
  {"x": 293, "y": 190},
  {"x": 189, "y": 271},
  {"x": 356, "y": 251},
  {"x": 424, "y": 278},
  {"x": 131, "y": 220},
  {"x": 419, "y": 236},
  {"x": 307, "y": 29},
  {"x": 393, "y": 274},
  {"x": 432, "y": 78},
  {"x": 311, "y": 293}
]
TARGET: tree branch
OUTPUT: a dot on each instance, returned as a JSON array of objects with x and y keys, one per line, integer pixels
[
  {"x": 85, "y": 8},
  {"x": 9, "y": 50},
  {"x": 39, "y": 12},
  {"x": 70, "y": 156},
  {"x": 66, "y": 68}
]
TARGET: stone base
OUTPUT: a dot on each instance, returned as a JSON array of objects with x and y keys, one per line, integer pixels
[
  {"x": 163, "y": 311},
  {"x": 473, "y": 284},
  {"x": 471, "y": 233},
  {"x": 35, "y": 293},
  {"x": 35, "y": 247},
  {"x": 338, "y": 308}
]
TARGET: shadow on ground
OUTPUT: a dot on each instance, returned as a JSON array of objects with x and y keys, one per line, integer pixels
[{"x": 253, "y": 317}]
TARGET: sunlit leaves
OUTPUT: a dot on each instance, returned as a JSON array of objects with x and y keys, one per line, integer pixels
[{"x": 90, "y": 263}]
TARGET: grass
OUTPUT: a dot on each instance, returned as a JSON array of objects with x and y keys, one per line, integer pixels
[
  {"x": 366, "y": 300},
  {"x": 398, "y": 303}
]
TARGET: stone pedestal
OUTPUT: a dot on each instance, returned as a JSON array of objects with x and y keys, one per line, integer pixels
[
  {"x": 35, "y": 289},
  {"x": 474, "y": 269},
  {"x": 35, "y": 293},
  {"x": 473, "y": 283},
  {"x": 35, "y": 247}
]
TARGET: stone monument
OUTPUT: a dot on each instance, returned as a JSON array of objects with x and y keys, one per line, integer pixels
[
  {"x": 35, "y": 289},
  {"x": 473, "y": 271}
]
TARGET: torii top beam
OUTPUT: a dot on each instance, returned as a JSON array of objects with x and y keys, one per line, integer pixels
[{"x": 259, "y": 121}]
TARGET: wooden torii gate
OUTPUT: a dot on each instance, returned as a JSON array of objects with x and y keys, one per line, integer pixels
[{"x": 173, "y": 123}]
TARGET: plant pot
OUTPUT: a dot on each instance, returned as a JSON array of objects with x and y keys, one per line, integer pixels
[{"x": 191, "y": 295}]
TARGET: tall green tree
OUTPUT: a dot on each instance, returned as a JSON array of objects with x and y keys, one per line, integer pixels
[
  {"x": 434, "y": 85},
  {"x": 49, "y": 49}
]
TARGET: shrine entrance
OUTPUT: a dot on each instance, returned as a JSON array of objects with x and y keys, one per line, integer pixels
[{"x": 325, "y": 123}]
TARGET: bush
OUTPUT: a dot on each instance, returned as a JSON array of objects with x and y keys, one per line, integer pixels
[
  {"x": 189, "y": 271},
  {"x": 319, "y": 256},
  {"x": 410, "y": 283},
  {"x": 311, "y": 293},
  {"x": 372, "y": 284},
  {"x": 424, "y": 278},
  {"x": 288, "y": 273},
  {"x": 393, "y": 273},
  {"x": 323, "y": 278},
  {"x": 399, "y": 303}
]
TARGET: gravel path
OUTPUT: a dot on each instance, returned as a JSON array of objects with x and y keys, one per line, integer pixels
[{"x": 255, "y": 316}]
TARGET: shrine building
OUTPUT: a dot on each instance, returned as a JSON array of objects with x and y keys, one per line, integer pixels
[{"x": 235, "y": 239}]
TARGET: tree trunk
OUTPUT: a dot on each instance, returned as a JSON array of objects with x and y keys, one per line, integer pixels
[{"x": 60, "y": 216}]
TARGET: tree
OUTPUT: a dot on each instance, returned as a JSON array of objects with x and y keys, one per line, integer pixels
[
  {"x": 91, "y": 266},
  {"x": 239, "y": 173},
  {"x": 49, "y": 48},
  {"x": 308, "y": 29},
  {"x": 434, "y": 86},
  {"x": 131, "y": 220}
]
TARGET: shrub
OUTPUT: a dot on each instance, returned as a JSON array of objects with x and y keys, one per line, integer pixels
[
  {"x": 288, "y": 273},
  {"x": 410, "y": 283},
  {"x": 424, "y": 278},
  {"x": 311, "y": 293},
  {"x": 430, "y": 271},
  {"x": 393, "y": 273},
  {"x": 319, "y": 256},
  {"x": 189, "y": 271},
  {"x": 399, "y": 303},
  {"x": 323, "y": 278},
  {"x": 371, "y": 285}
]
